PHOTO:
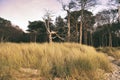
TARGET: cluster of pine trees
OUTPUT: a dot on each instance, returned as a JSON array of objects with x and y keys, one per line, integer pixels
[{"x": 79, "y": 26}]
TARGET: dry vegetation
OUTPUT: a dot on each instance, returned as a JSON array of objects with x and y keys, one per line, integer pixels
[
  {"x": 66, "y": 61},
  {"x": 110, "y": 51}
]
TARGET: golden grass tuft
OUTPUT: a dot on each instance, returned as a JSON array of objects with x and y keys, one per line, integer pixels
[{"x": 61, "y": 60}]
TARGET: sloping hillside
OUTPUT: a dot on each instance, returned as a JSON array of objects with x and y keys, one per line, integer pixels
[
  {"x": 113, "y": 54},
  {"x": 62, "y": 61}
]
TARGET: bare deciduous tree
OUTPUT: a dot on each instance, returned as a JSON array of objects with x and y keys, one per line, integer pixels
[{"x": 48, "y": 21}]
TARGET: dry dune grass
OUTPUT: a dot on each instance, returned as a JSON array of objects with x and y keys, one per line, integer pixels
[
  {"x": 111, "y": 51},
  {"x": 67, "y": 61}
]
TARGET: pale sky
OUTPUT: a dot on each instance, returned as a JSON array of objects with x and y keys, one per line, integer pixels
[{"x": 19, "y": 12}]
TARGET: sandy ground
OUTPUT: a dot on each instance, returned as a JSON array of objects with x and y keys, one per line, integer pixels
[{"x": 115, "y": 75}]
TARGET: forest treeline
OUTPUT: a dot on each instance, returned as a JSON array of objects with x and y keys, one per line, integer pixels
[{"x": 79, "y": 26}]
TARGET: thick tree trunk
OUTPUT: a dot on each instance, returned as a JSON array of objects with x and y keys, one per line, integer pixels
[
  {"x": 50, "y": 38},
  {"x": 49, "y": 31}
]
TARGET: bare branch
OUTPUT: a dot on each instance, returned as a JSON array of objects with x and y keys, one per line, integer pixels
[
  {"x": 46, "y": 26},
  {"x": 60, "y": 37}
]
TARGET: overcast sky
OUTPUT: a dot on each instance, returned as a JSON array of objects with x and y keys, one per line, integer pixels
[{"x": 19, "y": 12}]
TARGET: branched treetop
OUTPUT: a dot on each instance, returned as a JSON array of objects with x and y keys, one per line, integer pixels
[
  {"x": 85, "y": 3},
  {"x": 69, "y": 6}
]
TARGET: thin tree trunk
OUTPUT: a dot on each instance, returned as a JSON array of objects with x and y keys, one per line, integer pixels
[
  {"x": 91, "y": 40},
  {"x": 35, "y": 38},
  {"x": 68, "y": 37},
  {"x": 103, "y": 41},
  {"x": 110, "y": 40},
  {"x": 109, "y": 36},
  {"x": 119, "y": 13},
  {"x": 85, "y": 37},
  {"x": 81, "y": 26},
  {"x": 76, "y": 32},
  {"x": 106, "y": 41}
]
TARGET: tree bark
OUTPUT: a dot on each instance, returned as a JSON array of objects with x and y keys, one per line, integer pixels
[
  {"x": 110, "y": 40},
  {"x": 109, "y": 35},
  {"x": 68, "y": 37},
  {"x": 91, "y": 39},
  {"x": 81, "y": 26},
  {"x": 76, "y": 32},
  {"x": 85, "y": 37},
  {"x": 50, "y": 38}
]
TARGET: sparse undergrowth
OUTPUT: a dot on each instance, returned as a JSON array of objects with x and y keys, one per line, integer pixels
[
  {"x": 110, "y": 51},
  {"x": 67, "y": 61}
]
